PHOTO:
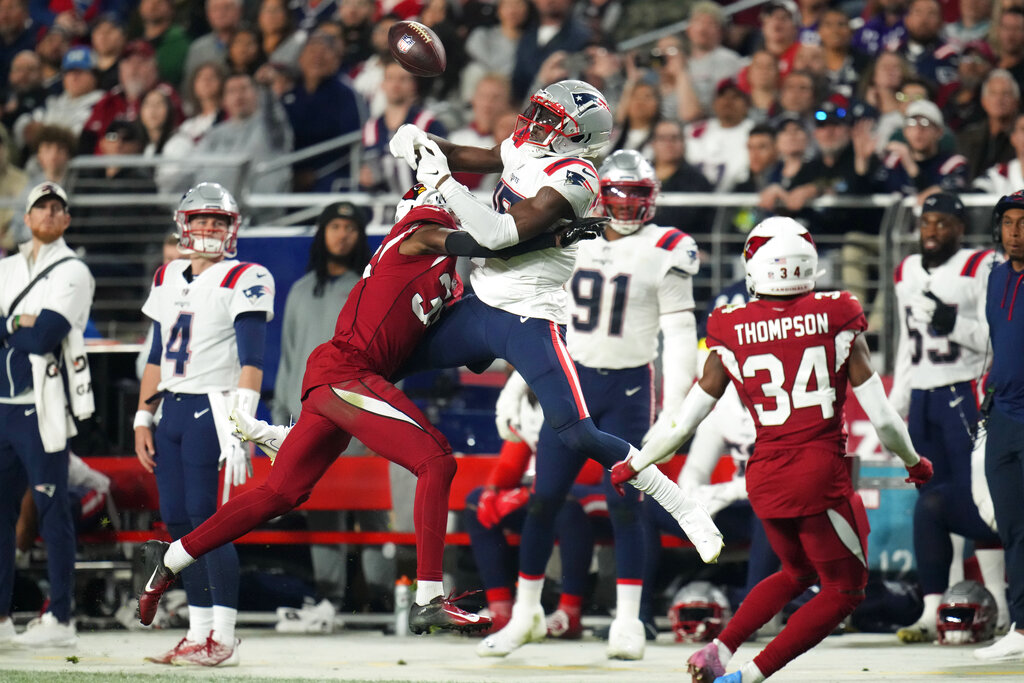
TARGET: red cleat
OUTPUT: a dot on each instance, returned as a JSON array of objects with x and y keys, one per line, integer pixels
[
  {"x": 441, "y": 613},
  {"x": 184, "y": 646},
  {"x": 158, "y": 578}
]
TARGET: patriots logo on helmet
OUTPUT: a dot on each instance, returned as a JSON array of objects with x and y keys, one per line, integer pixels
[
  {"x": 586, "y": 101},
  {"x": 255, "y": 292}
]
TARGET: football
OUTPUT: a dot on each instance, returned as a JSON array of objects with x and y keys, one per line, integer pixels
[{"x": 417, "y": 48}]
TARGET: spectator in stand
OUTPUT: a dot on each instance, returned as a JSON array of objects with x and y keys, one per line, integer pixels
[
  {"x": 668, "y": 62},
  {"x": 924, "y": 48},
  {"x": 72, "y": 16},
  {"x": 12, "y": 184},
  {"x": 763, "y": 80},
  {"x": 54, "y": 148},
  {"x": 601, "y": 17},
  {"x": 356, "y": 20},
  {"x": 321, "y": 106},
  {"x": 51, "y": 49},
  {"x": 918, "y": 167},
  {"x": 368, "y": 82},
  {"x": 987, "y": 142},
  {"x": 779, "y": 32},
  {"x": 914, "y": 89},
  {"x": 440, "y": 17},
  {"x": 202, "y": 99},
  {"x": 964, "y": 106},
  {"x": 711, "y": 144},
  {"x": 72, "y": 108},
  {"x": 24, "y": 92},
  {"x": 555, "y": 29},
  {"x": 1011, "y": 43},
  {"x": 123, "y": 138},
  {"x": 676, "y": 175},
  {"x": 793, "y": 146},
  {"x": 491, "y": 100},
  {"x": 255, "y": 125},
  {"x": 1008, "y": 177},
  {"x": 974, "y": 24},
  {"x": 800, "y": 94},
  {"x": 244, "y": 54},
  {"x": 108, "y": 42},
  {"x": 382, "y": 171},
  {"x": 810, "y": 13},
  {"x": 311, "y": 13},
  {"x": 17, "y": 33},
  {"x": 167, "y": 38},
  {"x": 137, "y": 75},
  {"x": 880, "y": 89},
  {"x": 762, "y": 156},
  {"x": 280, "y": 42},
  {"x": 605, "y": 69},
  {"x": 492, "y": 49},
  {"x": 810, "y": 58},
  {"x": 637, "y": 114},
  {"x": 156, "y": 116},
  {"x": 223, "y": 17},
  {"x": 882, "y": 32},
  {"x": 708, "y": 61},
  {"x": 843, "y": 66}
]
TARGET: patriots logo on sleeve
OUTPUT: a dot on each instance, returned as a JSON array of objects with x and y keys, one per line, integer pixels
[
  {"x": 574, "y": 178},
  {"x": 255, "y": 292}
]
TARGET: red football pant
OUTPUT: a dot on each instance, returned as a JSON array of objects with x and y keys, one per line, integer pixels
[
  {"x": 830, "y": 547},
  {"x": 382, "y": 417}
]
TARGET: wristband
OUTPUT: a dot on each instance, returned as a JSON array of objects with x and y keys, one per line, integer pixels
[
  {"x": 143, "y": 418},
  {"x": 15, "y": 322}
]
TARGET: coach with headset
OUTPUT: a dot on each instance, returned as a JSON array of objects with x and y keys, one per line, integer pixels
[
  {"x": 46, "y": 292},
  {"x": 1004, "y": 450}
]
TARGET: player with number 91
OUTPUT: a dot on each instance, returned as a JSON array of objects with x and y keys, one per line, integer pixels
[{"x": 791, "y": 353}]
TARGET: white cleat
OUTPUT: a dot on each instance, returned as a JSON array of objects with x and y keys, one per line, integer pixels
[
  {"x": 698, "y": 526},
  {"x": 527, "y": 625},
  {"x": 46, "y": 631},
  {"x": 1009, "y": 647},
  {"x": 626, "y": 639}
]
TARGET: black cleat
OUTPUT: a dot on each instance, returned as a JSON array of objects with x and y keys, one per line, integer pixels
[
  {"x": 158, "y": 578},
  {"x": 441, "y": 613}
]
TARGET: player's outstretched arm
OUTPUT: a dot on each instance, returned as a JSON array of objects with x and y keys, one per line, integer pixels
[
  {"x": 892, "y": 431},
  {"x": 436, "y": 239},
  {"x": 407, "y": 140},
  {"x": 698, "y": 403}
]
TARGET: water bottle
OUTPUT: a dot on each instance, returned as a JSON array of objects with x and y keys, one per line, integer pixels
[{"x": 403, "y": 601}]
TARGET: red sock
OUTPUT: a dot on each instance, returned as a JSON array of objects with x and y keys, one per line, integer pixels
[
  {"x": 501, "y": 594},
  {"x": 571, "y": 604}
]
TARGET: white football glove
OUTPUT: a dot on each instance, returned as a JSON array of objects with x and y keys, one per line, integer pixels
[
  {"x": 432, "y": 165},
  {"x": 236, "y": 462},
  {"x": 507, "y": 408},
  {"x": 922, "y": 308},
  {"x": 404, "y": 142},
  {"x": 267, "y": 436}
]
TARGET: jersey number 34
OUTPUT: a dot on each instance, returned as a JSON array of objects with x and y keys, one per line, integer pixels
[{"x": 813, "y": 363}]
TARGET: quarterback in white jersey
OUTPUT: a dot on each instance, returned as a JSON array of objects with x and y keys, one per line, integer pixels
[{"x": 210, "y": 314}]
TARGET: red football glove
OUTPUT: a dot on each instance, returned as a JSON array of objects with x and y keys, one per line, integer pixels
[
  {"x": 621, "y": 473},
  {"x": 494, "y": 506},
  {"x": 920, "y": 473}
]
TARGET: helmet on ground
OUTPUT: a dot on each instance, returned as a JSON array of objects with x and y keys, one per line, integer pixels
[
  {"x": 698, "y": 612},
  {"x": 567, "y": 118},
  {"x": 967, "y": 614},
  {"x": 1010, "y": 201},
  {"x": 418, "y": 195},
  {"x": 208, "y": 199},
  {"x": 629, "y": 189},
  {"x": 780, "y": 258}
]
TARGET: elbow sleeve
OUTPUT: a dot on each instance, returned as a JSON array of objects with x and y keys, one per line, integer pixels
[
  {"x": 489, "y": 228},
  {"x": 251, "y": 335},
  {"x": 890, "y": 427},
  {"x": 156, "y": 349}
]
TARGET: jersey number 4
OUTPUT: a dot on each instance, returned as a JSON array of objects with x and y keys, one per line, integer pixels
[
  {"x": 814, "y": 363},
  {"x": 178, "y": 343},
  {"x": 587, "y": 289}
]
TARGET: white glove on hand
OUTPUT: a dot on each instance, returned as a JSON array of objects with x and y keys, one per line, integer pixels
[
  {"x": 404, "y": 142},
  {"x": 507, "y": 408},
  {"x": 236, "y": 463},
  {"x": 661, "y": 426},
  {"x": 922, "y": 308},
  {"x": 432, "y": 165},
  {"x": 267, "y": 436}
]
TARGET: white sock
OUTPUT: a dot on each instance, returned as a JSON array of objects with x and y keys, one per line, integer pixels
[
  {"x": 724, "y": 653},
  {"x": 751, "y": 674},
  {"x": 627, "y": 600},
  {"x": 654, "y": 483},
  {"x": 931, "y": 605},
  {"x": 992, "y": 563},
  {"x": 200, "y": 623},
  {"x": 956, "y": 567},
  {"x": 224, "y": 619},
  {"x": 176, "y": 558},
  {"x": 528, "y": 591},
  {"x": 428, "y": 590}
]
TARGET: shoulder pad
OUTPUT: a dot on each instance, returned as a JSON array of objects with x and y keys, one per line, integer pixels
[
  {"x": 897, "y": 275},
  {"x": 973, "y": 264}
]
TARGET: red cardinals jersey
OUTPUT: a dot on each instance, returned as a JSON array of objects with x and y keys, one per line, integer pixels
[
  {"x": 787, "y": 358},
  {"x": 388, "y": 311}
]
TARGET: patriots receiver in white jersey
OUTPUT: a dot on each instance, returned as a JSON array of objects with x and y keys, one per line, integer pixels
[
  {"x": 519, "y": 310},
  {"x": 210, "y": 314}
]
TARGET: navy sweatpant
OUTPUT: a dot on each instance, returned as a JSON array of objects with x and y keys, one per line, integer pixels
[{"x": 1004, "y": 468}]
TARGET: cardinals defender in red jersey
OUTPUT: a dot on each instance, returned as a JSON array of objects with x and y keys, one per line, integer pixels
[
  {"x": 347, "y": 392},
  {"x": 791, "y": 353}
]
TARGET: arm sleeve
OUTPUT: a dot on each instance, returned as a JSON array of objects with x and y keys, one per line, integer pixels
[
  {"x": 491, "y": 229},
  {"x": 512, "y": 461},
  {"x": 251, "y": 335},
  {"x": 43, "y": 337},
  {"x": 678, "y": 358},
  {"x": 890, "y": 427},
  {"x": 900, "y": 394},
  {"x": 156, "y": 349},
  {"x": 697, "y": 405},
  {"x": 461, "y": 243}
]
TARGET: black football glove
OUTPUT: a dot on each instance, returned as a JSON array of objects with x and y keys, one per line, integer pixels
[
  {"x": 582, "y": 229},
  {"x": 944, "y": 317}
]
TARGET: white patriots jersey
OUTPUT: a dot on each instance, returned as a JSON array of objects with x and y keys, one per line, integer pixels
[
  {"x": 197, "y": 321},
  {"x": 533, "y": 284},
  {"x": 719, "y": 152},
  {"x": 619, "y": 290},
  {"x": 926, "y": 359},
  {"x": 1001, "y": 179}
]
